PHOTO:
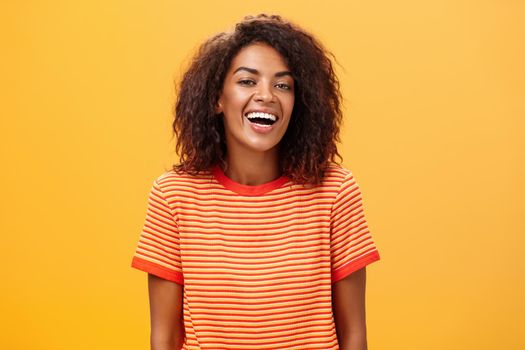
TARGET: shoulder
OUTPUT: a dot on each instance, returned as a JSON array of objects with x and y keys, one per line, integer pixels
[
  {"x": 336, "y": 174},
  {"x": 173, "y": 180},
  {"x": 342, "y": 181}
]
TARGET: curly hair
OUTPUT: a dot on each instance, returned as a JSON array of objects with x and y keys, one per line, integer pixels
[{"x": 309, "y": 143}]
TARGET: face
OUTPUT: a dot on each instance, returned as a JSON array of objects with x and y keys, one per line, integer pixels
[{"x": 256, "y": 100}]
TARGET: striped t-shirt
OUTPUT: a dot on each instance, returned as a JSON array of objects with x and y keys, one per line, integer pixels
[{"x": 257, "y": 262}]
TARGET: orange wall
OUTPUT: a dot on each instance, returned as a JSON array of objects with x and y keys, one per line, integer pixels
[{"x": 434, "y": 112}]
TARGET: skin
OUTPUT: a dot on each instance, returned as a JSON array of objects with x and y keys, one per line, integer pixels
[
  {"x": 166, "y": 306},
  {"x": 348, "y": 304},
  {"x": 258, "y": 79}
]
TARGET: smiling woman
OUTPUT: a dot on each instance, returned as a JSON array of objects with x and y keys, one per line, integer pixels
[
  {"x": 256, "y": 102},
  {"x": 309, "y": 143},
  {"x": 257, "y": 239}
]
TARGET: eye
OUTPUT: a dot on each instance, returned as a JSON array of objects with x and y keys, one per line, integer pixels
[
  {"x": 246, "y": 82},
  {"x": 283, "y": 86}
]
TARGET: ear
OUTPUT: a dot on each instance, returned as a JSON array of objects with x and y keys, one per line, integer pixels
[{"x": 218, "y": 107}]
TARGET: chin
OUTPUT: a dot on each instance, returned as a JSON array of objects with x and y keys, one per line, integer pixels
[
  {"x": 259, "y": 146},
  {"x": 263, "y": 148}
]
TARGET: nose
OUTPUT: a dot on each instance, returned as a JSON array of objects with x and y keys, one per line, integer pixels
[{"x": 264, "y": 93}]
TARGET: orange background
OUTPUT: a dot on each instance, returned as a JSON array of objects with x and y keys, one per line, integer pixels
[{"x": 434, "y": 127}]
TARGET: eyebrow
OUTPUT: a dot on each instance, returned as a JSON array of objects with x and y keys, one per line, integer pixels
[{"x": 256, "y": 72}]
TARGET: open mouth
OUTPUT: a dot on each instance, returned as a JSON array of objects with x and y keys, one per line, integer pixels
[{"x": 263, "y": 119}]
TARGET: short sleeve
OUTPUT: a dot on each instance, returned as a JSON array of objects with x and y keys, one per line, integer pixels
[
  {"x": 351, "y": 245},
  {"x": 158, "y": 248}
]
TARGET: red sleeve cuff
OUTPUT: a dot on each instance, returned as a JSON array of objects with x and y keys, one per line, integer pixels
[
  {"x": 353, "y": 266},
  {"x": 157, "y": 270}
]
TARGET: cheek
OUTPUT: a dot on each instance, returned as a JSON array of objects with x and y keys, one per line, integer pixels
[
  {"x": 290, "y": 104},
  {"x": 234, "y": 100}
]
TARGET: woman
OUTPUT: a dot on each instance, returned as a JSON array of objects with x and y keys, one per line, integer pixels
[{"x": 257, "y": 239}]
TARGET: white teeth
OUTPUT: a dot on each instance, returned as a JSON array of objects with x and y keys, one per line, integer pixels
[{"x": 261, "y": 115}]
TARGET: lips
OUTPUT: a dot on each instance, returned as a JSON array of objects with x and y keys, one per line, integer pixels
[{"x": 261, "y": 118}]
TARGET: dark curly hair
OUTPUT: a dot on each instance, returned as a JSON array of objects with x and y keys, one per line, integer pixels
[{"x": 309, "y": 143}]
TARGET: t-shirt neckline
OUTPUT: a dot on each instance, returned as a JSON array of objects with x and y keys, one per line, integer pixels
[{"x": 249, "y": 190}]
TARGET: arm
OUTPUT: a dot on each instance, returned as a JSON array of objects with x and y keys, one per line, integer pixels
[
  {"x": 167, "y": 327},
  {"x": 348, "y": 302}
]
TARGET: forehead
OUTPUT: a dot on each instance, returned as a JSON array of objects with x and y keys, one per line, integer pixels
[{"x": 260, "y": 56}]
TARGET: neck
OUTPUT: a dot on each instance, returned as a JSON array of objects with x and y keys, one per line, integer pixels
[{"x": 252, "y": 169}]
